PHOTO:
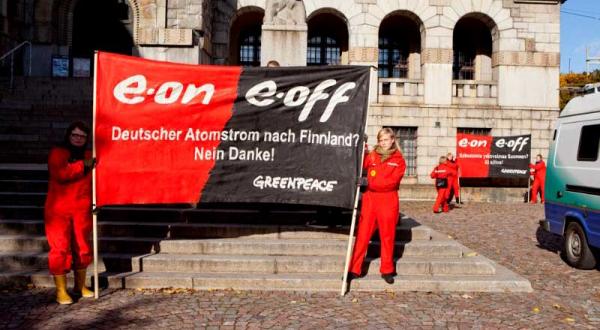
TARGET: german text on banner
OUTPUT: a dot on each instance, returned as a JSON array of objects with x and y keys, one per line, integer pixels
[
  {"x": 175, "y": 133},
  {"x": 482, "y": 156}
]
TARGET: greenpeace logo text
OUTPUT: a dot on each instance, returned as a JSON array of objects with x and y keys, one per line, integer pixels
[
  {"x": 133, "y": 90},
  {"x": 293, "y": 183},
  {"x": 513, "y": 171},
  {"x": 265, "y": 93}
]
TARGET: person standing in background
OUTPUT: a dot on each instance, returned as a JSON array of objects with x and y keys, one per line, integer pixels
[
  {"x": 453, "y": 180},
  {"x": 539, "y": 182},
  {"x": 442, "y": 174},
  {"x": 68, "y": 211}
]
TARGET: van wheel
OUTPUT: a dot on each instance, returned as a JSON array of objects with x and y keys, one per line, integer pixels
[{"x": 577, "y": 251}]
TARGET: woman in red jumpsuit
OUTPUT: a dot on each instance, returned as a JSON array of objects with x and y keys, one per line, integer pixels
[
  {"x": 385, "y": 168},
  {"x": 67, "y": 212},
  {"x": 453, "y": 184},
  {"x": 442, "y": 173},
  {"x": 539, "y": 178}
]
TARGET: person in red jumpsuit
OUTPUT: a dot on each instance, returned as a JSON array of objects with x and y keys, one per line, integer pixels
[
  {"x": 442, "y": 175},
  {"x": 67, "y": 212},
  {"x": 539, "y": 178},
  {"x": 380, "y": 208},
  {"x": 453, "y": 183}
]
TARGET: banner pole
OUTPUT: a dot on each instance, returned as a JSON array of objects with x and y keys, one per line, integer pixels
[
  {"x": 355, "y": 210},
  {"x": 350, "y": 242},
  {"x": 94, "y": 211},
  {"x": 528, "y": 188}
]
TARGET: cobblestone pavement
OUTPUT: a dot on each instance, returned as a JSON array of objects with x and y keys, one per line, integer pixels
[{"x": 507, "y": 233}]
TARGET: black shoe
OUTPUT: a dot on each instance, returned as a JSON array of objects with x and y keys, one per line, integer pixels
[
  {"x": 352, "y": 276},
  {"x": 388, "y": 278},
  {"x": 458, "y": 201}
]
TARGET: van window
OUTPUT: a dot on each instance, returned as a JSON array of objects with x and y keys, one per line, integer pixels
[{"x": 589, "y": 140}]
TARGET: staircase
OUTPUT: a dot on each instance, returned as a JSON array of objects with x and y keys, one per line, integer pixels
[
  {"x": 36, "y": 112},
  {"x": 236, "y": 247}
]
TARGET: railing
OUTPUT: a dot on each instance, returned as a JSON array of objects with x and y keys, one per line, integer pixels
[
  {"x": 11, "y": 53},
  {"x": 474, "y": 92},
  {"x": 400, "y": 90}
]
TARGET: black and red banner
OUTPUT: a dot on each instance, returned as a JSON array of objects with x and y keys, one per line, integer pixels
[
  {"x": 483, "y": 156},
  {"x": 174, "y": 133}
]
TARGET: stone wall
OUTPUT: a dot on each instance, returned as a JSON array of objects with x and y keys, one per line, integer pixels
[{"x": 433, "y": 141}]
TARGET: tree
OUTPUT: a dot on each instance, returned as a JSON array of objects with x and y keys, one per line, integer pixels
[{"x": 571, "y": 84}]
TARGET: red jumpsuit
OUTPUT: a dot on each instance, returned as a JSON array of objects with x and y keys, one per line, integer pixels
[
  {"x": 380, "y": 209},
  {"x": 67, "y": 213},
  {"x": 453, "y": 180},
  {"x": 442, "y": 171},
  {"x": 539, "y": 172}
]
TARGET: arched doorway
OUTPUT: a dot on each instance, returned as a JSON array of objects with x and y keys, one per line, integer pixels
[
  {"x": 102, "y": 25},
  {"x": 473, "y": 47},
  {"x": 400, "y": 46},
  {"x": 245, "y": 37},
  {"x": 327, "y": 39}
]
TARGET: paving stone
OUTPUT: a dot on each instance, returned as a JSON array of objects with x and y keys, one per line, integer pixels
[{"x": 563, "y": 297}]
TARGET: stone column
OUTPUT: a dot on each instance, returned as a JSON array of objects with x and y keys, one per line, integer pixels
[
  {"x": 284, "y": 33},
  {"x": 437, "y": 74}
]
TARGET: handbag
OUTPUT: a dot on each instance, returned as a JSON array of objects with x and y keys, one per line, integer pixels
[{"x": 441, "y": 182}]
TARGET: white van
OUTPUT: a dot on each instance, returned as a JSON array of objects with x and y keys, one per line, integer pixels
[{"x": 572, "y": 189}]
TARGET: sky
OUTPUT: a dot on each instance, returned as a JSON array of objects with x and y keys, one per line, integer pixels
[{"x": 580, "y": 26}]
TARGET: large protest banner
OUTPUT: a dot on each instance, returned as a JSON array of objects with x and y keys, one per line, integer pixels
[
  {"x": 483, "y": 156},
  {"x": 174, "y": 133}
]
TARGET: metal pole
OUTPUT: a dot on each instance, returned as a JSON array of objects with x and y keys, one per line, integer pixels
[{"x": 95, "y": 214}]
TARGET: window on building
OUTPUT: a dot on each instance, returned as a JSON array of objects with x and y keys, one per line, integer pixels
[
  {"x": 472, "y": 46},
  {"x": 327, "y": 42},
  {"x": 589, "y": 141},
  {"x": 464, "y": 65},
  {"x": 323, "y": 50},
  {"x": 474, "y": 131},
  {"x": 250, "y": 48},
  {"x": 393, "y": 58},
  {"x": 406, "y": 137}
]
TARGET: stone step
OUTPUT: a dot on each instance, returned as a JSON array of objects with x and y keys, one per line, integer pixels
[
  {"x": 30, "y": 261},
  {"x": 23, "y": 172},
  {"x": 236, "y": 246},
  {"x": 122, "y": 262},
  {"x": 31, "y": 243},
  {"x": 23, "y": 198},
  {"x": 406, "y": 231},
  {"x": 502, "y": 281},
  {"x": 308, "y": 247},
  {"x": 40, "y": 186},
  {"x": 296, "y": 264},
  {"x": 25, "y": 212}
]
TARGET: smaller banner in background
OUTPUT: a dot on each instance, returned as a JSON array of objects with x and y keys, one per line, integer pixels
[{"x": 483, "y": 156}]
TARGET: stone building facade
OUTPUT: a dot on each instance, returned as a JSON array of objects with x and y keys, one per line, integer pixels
[{"x": 440, "y": 66}]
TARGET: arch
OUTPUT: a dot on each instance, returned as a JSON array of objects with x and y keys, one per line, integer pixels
[
  {"x": 475, "y": 40},
  {"x": 328, "y": 37},
  {"x": 258, "y": 4},
  {"x": 99, "y": 25},
  {"x": 401, "y": 35},
  {"x": 59, "y": 14},
  {"x": 245, "y": 36},
  {"x": 327, "y": 10}
]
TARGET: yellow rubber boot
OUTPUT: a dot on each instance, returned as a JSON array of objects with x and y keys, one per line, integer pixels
[
  {"x": 62, "y": 297},
  {"x": 80, "y": 284}
]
